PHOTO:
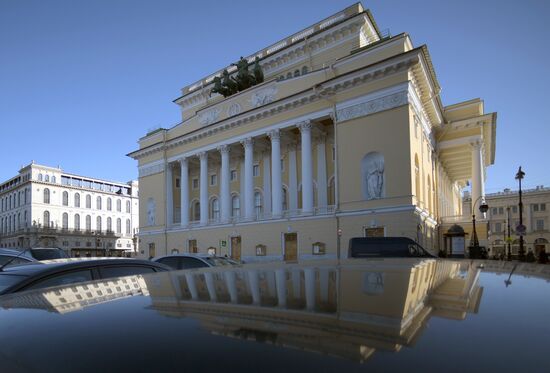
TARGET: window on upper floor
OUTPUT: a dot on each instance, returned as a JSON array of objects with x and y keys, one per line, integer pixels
[
  {"x": 543, "y": 207},
  {"x": 128, "y": 207},
  {"x": 233, "y": 174},
  {"x": 88, "y": 201},
  {"x": 109, "y": 204},
  {"x": 119, "y": 205},
  {"x": 128, "y": 227},
  {"x": 195, "y": 183},
  {"x": 535, "y": 207},
  {"x": 77, "y": 200},
  {"x": 98, "y": 203},
  {"x": 540, "y": 224},
  {"x": 256, "y": 170},
  {"x": 501, "y": 210},
  {"x": 498, "y": 227},
  {"x": 46, "y": 195},
  {"x": 514, "y": 209},
  {"x": 47, "y": 178},
  {"x": 65, "y": 198}
]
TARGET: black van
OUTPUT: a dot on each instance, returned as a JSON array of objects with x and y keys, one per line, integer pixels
[{"x": 386, "y": 247}]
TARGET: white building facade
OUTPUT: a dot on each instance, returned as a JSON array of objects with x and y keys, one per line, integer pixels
[{"x": 46, "y": 207}]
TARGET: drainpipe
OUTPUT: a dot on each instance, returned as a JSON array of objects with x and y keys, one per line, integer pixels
[{"x": 165, "y": 194}]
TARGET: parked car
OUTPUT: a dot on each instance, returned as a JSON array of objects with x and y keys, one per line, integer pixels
[
  {"x": 188, "y": 261},
  {"x": 42, "y": 274},
  {"x": 19, "y": 256},
  {"x": 386, "y": 247},
  {"x": 14, "y": 257}
]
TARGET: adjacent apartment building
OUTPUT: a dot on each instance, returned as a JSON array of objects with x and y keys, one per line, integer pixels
[
  {"x": 504, "y": 211},
  {"x": 46, "y": 207},
  {"x": 346, "y": 136}
]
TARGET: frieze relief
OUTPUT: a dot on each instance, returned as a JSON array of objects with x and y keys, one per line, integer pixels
[
  {"x": 209, "y": 116},
  {"x": 263, "y": 96},
  {"x": 374, "y": 106},
  {"x": 233, "y": 109}
]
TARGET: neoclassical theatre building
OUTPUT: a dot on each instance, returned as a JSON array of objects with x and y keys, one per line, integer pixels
[{"x": 346, "y": 136}]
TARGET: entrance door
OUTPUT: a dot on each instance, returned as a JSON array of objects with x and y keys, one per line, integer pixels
[
  {"x": 291, "y": 247},
  {"x": 193, "y": 246},
  {"x": 236, "y": 248}
]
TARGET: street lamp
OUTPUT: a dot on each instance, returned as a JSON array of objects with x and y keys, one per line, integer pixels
[
  {"x": 520, "y": 228},
  {"x": 474, "y": 242},
  {"x": 509, "y": 239}
]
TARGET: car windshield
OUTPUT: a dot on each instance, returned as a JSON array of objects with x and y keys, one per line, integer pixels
[
  {"x": 7, "y": 280},
  {"x": 217, "y": 261},
  {"x": 45, "y": 254}
]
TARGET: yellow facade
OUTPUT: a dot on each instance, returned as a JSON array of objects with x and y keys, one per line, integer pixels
[{"x": 382, "y": 154}]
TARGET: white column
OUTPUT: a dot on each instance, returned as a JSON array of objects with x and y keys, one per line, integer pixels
[
  {"x": 203, "y": 183},
  {"x": 224, "y": 184},
  {"x": 169, "y": 196},
  {"x": 292, "y": 179},
  {"x": 307, "y": 167},
  {"x": 266, "y": 160},
  {"x": 248, "y": 178},
  {"x": 309, "y": 278},
  {"x": 280, "y": 282},
  {"x": 322, "y": 199},
  {"x": 476, "y": 175},
  {"x": 184, "y": 192},
  {"x": 277, "y": 185}
]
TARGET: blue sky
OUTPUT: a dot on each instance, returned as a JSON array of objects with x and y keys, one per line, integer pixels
[{"x": 81, "y": 81}]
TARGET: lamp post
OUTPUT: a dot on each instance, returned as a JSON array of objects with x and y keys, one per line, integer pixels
[
  {"x": 521, "y": 229},
  {"x": 509, "y": 239},
  {"x": 483, "y": 207}
]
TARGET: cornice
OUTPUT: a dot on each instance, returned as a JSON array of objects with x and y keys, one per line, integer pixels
[{"x": 331, "y": 87}]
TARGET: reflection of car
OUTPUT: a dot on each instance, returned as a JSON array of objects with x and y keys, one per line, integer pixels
[
  {"x": 386, "y": 247},
  {"x": 38, "y": 275},
  {"x": 14, "y": 257},
  {"x": 188, "y": 261}
]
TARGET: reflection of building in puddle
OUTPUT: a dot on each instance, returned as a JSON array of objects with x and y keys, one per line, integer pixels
[
  {"x": 78, "y": 296},
  {"x": 525, "y": 269},
  {"x": 348, "y": 310}
]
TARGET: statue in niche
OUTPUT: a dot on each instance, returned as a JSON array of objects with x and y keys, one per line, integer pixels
[
  {"x": 373, "y": 175},
  {"x": 151, "y": 212}
]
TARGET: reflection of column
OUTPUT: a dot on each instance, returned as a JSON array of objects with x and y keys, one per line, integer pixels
[
  {"x": 295, "y": 279},
  {"x": 254, "y": 286},
  {"x": 280, "y": 281},
  {"x": 231, "y": 286},
  {"x": 321, "y": 172},
  {"x": 224, "y": 184},
  {"x": 203, "y": 156},
  {"x": 292, "y": 178},
  {"x": 169, "y": 196},
  {"x": 248, "y": 178},
  {"x": 307, "y": 167},
  {"x": 210, "y": 286},
  {"x": 323, "y": 284},
  {"x": 277, "y": 186},
  {"x": 271, "y": 286},
  {"x": 184, "y": 192},
  {"x": 476, "y": 175},
  {"x": 309, "y": 277},
  {"x": 192, "y": 286}
]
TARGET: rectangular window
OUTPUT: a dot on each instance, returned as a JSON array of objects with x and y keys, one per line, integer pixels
[
  {"x": 195, "y": 183},
  {"x": 535, "y": 207},
  {"x": 282, "y": 165},
  {"x": 501, "y": 210},
  {"x": 514, "y": 209},
  {"x": 540, "y": 224},
  {"x": 333, "y": 153},
  {"x": 256, "y": 170},
  {"x": 213, "y": 179},
  {"x": 233, "y": 175},
  {"x": 543, "y": 207},
  {"x": 177, "y": 182},
  {"x": 494, "y": 211},
  {"x": 498, "y": 227}
]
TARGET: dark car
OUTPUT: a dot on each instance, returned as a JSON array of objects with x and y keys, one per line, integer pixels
[
  {"x": 188, "y": 261},
  {"x": 389, "y": 315},
  {"x": 38, "y": 275},
  {"x": 14, "y": 257},
  {"x": 21, "y": 256},
  {"x": 386, "y": 247}
]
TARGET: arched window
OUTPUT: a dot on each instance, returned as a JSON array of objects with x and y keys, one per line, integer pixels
[
  {"x": 46, "y": 219},
  {"x": 53, "y": 179},
  {"x": 128, "y": 227},
  {"x": 26, "y": 195},
  {"x": 77, "y": 200},
  {"x": 196, "y": 211},
  {"x": 46, "y": 195},
  {"x": 128, "y": 207},
  {"x": 109, "y": 225},
  {"x": 118, "y": 225},
  {"x": 65, "y": 198},
  {"x": 296, "y": 73},
  {"x": 40, "y": 177},
  {"x": 88, "y": 201},
  {"x": 109, "y": 204},
  {"x": 98, "y": 203},
  {"x": 65, "y": 221},
  {"x": 258, "y": 203},
  {"x": 289, "y": 75},
  {"x": 304, "y": 70},
  {"x": 77, "y": 222},
  {"x": 18, "y": 198},
  {"x": 214, "y": 209},
  {"x": 47, "y": 178},
  {"x": 98, "y": 223},
  {"x": 88, "y": 223},
  {"x": 118, "y": 205},
  {"x": 235, "y": 206},
  {"x": 372, "y": 176},
  {"x": 25, "y": 218}
]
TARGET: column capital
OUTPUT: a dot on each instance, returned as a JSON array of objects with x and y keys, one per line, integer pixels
[
  {"x": 223, "y": 149},
  {"x": 291, "y": 146},
  {"x": 304, "y": 126},
  {"x": 476, "y": 144},
  {"x": 183, "y": 160},
  {"x": 274, "y": 135},
  {"x": 321, "y": 138},
  {"x": 248, "y": 142},
  {"x": 202, "y": 155}
]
